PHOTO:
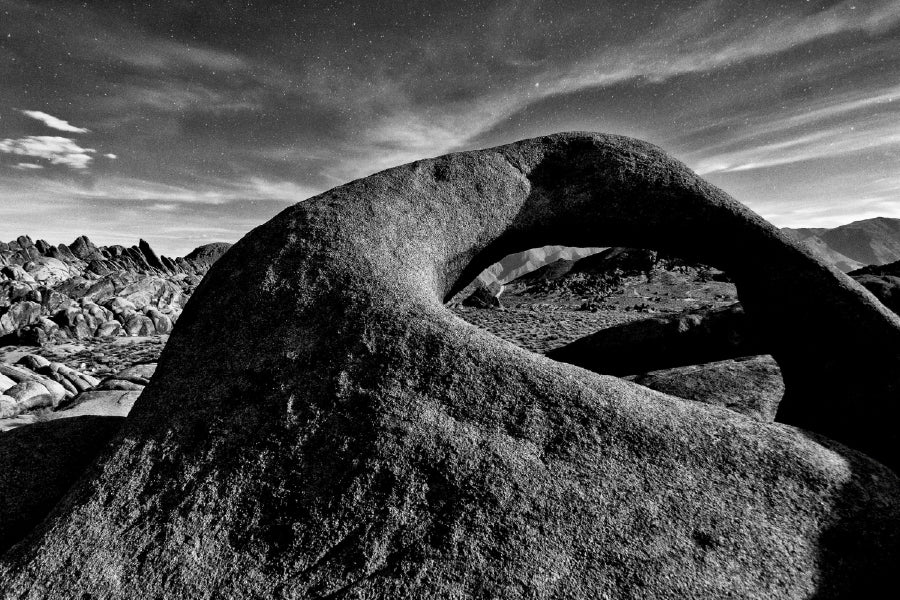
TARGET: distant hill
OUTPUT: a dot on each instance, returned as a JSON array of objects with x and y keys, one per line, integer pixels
[
  {"x": 821, "y": 249},
  {"x": 867, "y": 242},
  {"x": 516, "y": 265}
]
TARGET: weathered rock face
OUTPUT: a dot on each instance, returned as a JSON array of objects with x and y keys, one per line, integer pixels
[
  {"x": 319, "y": 424},
  {"x": 751, "y": 385}
]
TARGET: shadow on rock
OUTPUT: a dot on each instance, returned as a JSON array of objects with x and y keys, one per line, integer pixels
[{"x": 39, "y": 463}]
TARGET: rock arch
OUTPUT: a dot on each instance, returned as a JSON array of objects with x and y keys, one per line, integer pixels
[{"x": 321, "y": 426}]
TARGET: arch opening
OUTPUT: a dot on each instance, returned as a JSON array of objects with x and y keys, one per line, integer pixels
[{"x": 670, "y": 324}]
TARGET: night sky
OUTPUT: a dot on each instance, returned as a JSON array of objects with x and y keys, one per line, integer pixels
[{"x": 187, "y": 122}]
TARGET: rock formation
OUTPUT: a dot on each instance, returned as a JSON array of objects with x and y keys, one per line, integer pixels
[
  {"x": 320, "y": 425},
  {"x": 41, "y": 456},
  {"x": 50, "y": 292},
  {"x": 750, "y": 385},
  {"x": 667, "y": 341}
]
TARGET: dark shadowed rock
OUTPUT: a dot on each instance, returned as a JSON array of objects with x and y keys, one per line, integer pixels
[
  {"x": 84, "y": 249},
  {"x": 320, "y": 425},
  {"x": 885, "y": 287},
  {"x": 484, "y": 295},
  {"x": 150, "y": 255},
  {"x": 208, "y": 253},
  {"x": 169, "y": 264},
  {"x": 39, "y": 462},
  {"x": 750, "y": 385}
]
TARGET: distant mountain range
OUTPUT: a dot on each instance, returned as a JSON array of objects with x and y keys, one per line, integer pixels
[{"x": 852, "y": 246}]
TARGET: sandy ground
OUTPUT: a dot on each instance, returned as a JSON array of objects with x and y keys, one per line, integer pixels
[
  {"x": 543, "y": 321},
  {"x": 541, "y": 329}
]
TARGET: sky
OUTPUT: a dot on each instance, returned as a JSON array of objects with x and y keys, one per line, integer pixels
[{"x": 186, "y": 122}]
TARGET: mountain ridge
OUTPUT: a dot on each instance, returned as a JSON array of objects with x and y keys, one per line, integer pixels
[{"x": 874, "y": 241}]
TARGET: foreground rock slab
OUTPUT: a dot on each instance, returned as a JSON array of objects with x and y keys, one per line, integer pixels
[
  {"x": 666, "y": 342},
  {"x": 751, "y": 385},
  {"x": 321, "y": 426}
]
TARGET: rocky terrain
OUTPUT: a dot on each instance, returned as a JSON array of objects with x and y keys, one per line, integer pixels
[
  {"x": 73, "y": 316},
  {"x": 320, "y": 424},
  {"x": 50, "y": 294}
]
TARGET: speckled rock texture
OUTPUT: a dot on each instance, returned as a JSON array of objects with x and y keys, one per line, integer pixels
[
  {"x": 40, "y": 462},
  {"x": 751, "y": 385},
  {"x": 321, "y": 426}
]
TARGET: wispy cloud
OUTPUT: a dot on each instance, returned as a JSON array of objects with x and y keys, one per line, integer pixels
[
  {"x": 846, "y": 124},
  {"x": 56, "y": 150},
  {"x": 53, "y": 122},
  {"x": 704, "y": 43},
  {"x": 709, "y": 37},
  {"x": 267, "y": 189},
  {"x": 152, "y": 53},
  {"x": 24, "y": 166}
]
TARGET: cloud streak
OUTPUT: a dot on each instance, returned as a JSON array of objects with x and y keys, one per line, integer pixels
[
  {"x": 53, "y": 122},
  {"x": 55, "y": 150},
  {"x": 708, "y": 38}
]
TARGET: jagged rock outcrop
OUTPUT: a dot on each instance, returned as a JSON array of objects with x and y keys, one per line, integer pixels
[
  {"x": 52, "y": 292},
  {"x": 320, "y": 425}
]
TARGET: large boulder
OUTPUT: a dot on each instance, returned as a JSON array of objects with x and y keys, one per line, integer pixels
[
  {"x": 751, "y": 385},
  {"x": 207, "y": 254},
  {"x": 48, "y": 271},
  {"x": 667, "y": 341},
  {"x": 134, "y": 378},
  {"x": 19, "y": 316},
  {"x": 84, "y": 249},
  {"x": 100, "y": 403},
  {"x": 320, "y": 425},
  {"x": 9, "y": 407},
  {"x": 17, "y": 273},
  {"x": 30, "y": 394}
]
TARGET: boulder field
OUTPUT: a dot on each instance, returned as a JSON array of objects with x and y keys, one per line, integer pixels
[
  {"x": 56, "y": 293},
  {"x": 320, "y": 425}
]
